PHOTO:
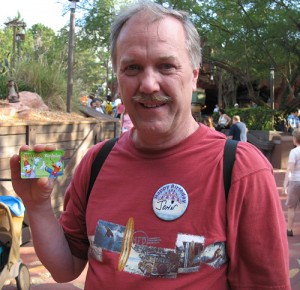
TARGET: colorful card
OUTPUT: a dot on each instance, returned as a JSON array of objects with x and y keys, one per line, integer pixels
[{"x": 42, "y": 164}]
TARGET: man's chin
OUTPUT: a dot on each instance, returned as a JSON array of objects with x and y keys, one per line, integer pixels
[{"x": 154, "y": 129}]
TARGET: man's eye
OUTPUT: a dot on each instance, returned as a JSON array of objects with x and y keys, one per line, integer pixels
[
  {"x": 132, "y": 69},
  {"x": 166, "y": 67}
]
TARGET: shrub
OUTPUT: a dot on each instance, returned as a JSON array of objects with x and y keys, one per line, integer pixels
[
  {"x": 48, "y": 81},
  {"x": 259, "y": 118}
]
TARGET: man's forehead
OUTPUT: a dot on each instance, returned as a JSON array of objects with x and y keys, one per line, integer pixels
[
  {"x": 143, "y": 20},
  {"x": 168, "y": 58}
]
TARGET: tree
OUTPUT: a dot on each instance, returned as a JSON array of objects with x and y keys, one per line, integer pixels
[
  {"x": 244, "y": 38},
  {"x": 95, "y": 34}
]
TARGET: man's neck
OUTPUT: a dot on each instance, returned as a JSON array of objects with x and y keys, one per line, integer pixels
[{"x": 158, "y": 142}]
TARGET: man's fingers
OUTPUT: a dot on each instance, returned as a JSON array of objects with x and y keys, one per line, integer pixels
[
  {"x": 24, "y": 148},
  {"x": 15, "y": 166},
  {"x": 42, "y": 147},
  {"x": 50, "y": 147}
]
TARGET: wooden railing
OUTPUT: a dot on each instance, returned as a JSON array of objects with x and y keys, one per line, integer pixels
[{"x": 75, "y": 138}]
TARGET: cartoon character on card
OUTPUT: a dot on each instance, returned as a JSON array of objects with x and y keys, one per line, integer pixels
[
  {"x": 29, "y": 170},
  {"x": 57, "y": 168}
]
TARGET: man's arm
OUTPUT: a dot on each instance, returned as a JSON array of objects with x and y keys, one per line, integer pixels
[
  {"x": 228, "y": 119},
  {"x": 51, "y": 245},
  {"x": 48, "y": 237},
  {"x": 256, "y": 236},
  {"x": 231, "y": 132},
  {"x": 288, "y": 172}
]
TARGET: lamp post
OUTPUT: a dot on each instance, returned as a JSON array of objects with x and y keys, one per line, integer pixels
[
  {"x": 16, "y": 24},
  {"x": 70, "y": 55},
  {"x": 211, "y": 72},
  {"x": 20, "y": 36},
  {"x": 272, "y": 74}
]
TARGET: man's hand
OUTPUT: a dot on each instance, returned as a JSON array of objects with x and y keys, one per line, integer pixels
[{"x": 35, "y": 190}]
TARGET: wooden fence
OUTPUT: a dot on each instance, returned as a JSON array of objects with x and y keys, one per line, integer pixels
[{"x": 75, "y": 138}]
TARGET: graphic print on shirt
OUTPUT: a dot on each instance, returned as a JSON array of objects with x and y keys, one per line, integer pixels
[
  {"x": 109, "y": 236},
  {"x": 187, "y": 256}
]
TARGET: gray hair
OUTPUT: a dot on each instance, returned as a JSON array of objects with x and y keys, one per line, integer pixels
[{"x": 158, "y": 12}]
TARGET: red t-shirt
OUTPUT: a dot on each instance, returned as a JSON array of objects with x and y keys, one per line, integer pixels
[{"x": 194, "y": 251}]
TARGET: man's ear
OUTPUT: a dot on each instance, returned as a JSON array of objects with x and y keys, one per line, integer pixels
[{"x": 195, "y": 78}]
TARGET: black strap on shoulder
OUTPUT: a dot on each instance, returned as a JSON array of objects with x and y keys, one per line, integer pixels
[
  {"x": 98, "y": 162},
  {"x": 228, "y": 162},
  {"x": 229, "y": 158}
]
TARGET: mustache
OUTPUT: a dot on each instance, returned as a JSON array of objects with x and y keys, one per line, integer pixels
[{"x": 152, "y": 98}]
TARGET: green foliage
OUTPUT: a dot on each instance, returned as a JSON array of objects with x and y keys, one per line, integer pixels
[
  {"x": 41, "y": 67},
  {"x": 3, "y": 87},
  {"x": 245, "y": 38},
  {"x": 46, "y": 80},
  {"x": 259, "y": 118}
]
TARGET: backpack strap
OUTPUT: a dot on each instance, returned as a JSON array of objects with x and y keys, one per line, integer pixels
[
  {"x": 228, "y": 162},
  {"x": 98, "y": 162},
  {"x": 229, "y": 158}
]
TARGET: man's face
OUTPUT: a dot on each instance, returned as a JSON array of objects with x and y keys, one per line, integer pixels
[{"x": 152, "y": 59}]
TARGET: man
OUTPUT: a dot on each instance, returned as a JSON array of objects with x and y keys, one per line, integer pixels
[
  {"x": 238, "y": 130},
  {"x": 155, "y": 219},
  {"x": 293, "y": 120}
]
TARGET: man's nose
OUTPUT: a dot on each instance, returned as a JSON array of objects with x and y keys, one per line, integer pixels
[{"x": 149, "y": 81}]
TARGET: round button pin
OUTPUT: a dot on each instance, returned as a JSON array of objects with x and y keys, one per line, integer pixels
[{"x": 170, "y": 202}]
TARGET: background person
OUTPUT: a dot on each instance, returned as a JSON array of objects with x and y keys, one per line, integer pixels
[
  {"x": 126, "y": 123},
  {"x": 93, "y": 104},
  {"x": 224, "y": 120},
  {"x": 99, "y": 108},
  {"x": 216, "y": 108},
  {"x": 90, "y": 99},
  {"x": 116, "y": 103},
  {"x": 119, "y": 110},
  {"x": 291, "y": 185},
  {"x": 238, "y": 130},
  {"x": 209, "y": 122},
  {"x": 108, "y": 106},
  {"x": 232, "y": 243},
  {"x": 293, "y": 120}
]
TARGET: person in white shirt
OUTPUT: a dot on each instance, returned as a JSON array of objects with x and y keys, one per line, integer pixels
[
  {"x": 291, "y": 185},
  {"x": 224, "y": 120},
  {"x": 216, "y": 109}
]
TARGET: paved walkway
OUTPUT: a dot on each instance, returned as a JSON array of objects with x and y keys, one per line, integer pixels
[{"x": 41, "y": 279}]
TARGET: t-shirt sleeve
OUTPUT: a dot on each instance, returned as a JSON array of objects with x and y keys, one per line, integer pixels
[
  {"x": 292, "y": 157},
  {"x": 256, "y": 235}
]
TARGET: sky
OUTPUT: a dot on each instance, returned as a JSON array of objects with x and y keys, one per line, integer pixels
[{"x": 47, "y": 12}]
